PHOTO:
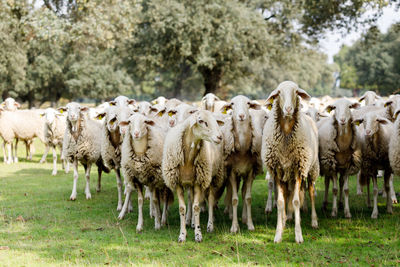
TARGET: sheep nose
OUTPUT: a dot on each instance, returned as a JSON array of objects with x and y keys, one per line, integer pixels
[
  {"x": 367, "y": 132},
  {"x": 288, "y": 109},
  {"x": 171, "y": 123},
  {"x": 219, "y": 137},
  {"x": 136, "y": 133},
  {"x": 342, "y": 120},
  {"x": 241, "y": 116}
]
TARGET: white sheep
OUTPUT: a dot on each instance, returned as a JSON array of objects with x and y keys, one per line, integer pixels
[
  {"x": 54, "y": 129},
  {"x": 141, "y": 165},
  {"x": 369, "y": 98},
  {"x": 82, "y": 143},
  {"x": 244, "y": 162},
  {"x": 375, "y": 139},
  {"x": 339, "y": 151},
  {"x": 112, "y": 137},
  {"x": 290, "y": 152},
  {"x": 212, "y": 103},
  {"x": 187, "y": 162},
  {"x": 10, "y": 104}
]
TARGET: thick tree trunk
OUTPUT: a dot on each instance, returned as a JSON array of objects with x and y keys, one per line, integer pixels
[
  {"x": 31, "y": 99},
  {"x": 212, "y": 78},
  {"x": 5, "y": 95},
  {"x": 185, "y": 72}
]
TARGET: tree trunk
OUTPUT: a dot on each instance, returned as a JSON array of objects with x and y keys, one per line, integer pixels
[
  {"x": 212, "y": 78},
  {"x": 185, "y": 72},
  {"x": 31, "y": 99},
  {"x": 5, "y": 95}
]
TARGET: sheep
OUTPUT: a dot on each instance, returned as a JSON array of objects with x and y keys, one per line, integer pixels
[
  {"x": 394, "y": 147},
  {"x": 315, "y": 114},
  {"x": 112, "y": 136},
  {"x": 369, "y": 97},
  {"x": 244, "y": 161},
  {"x": 122, "y": 101},
  {"x": 141, "y": 165},
  {"x": 82, "y": 142},
  {"x": 375, "y": 155},
  {"x": 10, "y": 104},
  {"x": 54, "y": 129},
  {"x": 339, "y": 151},
  {"x": 20, "y": 125},
  {"x": 179, "y": 113},
  {"x": 290, "y": 153},
  {"x": 143, "y": 107},
  {"x": 159, "y": 100},
  {"x": 187, "y": 162}
]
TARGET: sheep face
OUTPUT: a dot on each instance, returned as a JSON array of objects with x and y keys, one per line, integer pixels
[
  {"x": 369, "y": 97},
  {"x": 143, "y": 108},
  {"x": 50, "y": 115},
  {"x": 123, "y": 114},
  {"x": 74, "y": 112},
  {"x": 206, "y": 127},
  {"x": 392, "y": 105},
  {"x": 138, "y": 125},
  {"x": 342, "y": 110},
  {"x": 371, "y": 123},
  {"x": 240, "y": 106},
  {"x": 179, "y": 114},
  {"x": 10, "y": 104},
  {"x": 208, "y": 101},
  {"x": 287, "y": 96},
  {"x": 160, "y": 101},
  {"x": 122, "y": 101}
]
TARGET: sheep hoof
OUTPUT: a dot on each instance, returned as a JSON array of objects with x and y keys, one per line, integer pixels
[
  {"x": 278, "y": 238},
  {"x": 182, "y": 238},
  {"x": 198, "y": 237},
  {"x": 157, "y": 226},
  {"x": 73, "y": 196},
  {"x": 250, "y": 226},
  {"x": 334, "y": 213},
  {"x": 234, "y": 228},
  {"x": 347, "y": 214},
  {"x": 119, "y": 207},
  {"x": 314, "y": 224},
  {"x": 359, "y": 192},
  {"x": 42, "y": 161},
  {"x": 121, "y": 215},
  {"x": 54, "y": 173},
  {"x": 389, "y": 210},
  {"x": 394, "y": 201},
  {"x": 299, "y": 239},
  {"x": 210, "y": 227},
  {"x": 15, "y": 160},
  {"x": 98, "y": 189},
  {"x": 88, "y": 196},
  {"x": 244, "y": 219},
  {"x": 139, "y": 229},
  {"x": 374, "y": 215},
  {"x": 268, "y": 209}
]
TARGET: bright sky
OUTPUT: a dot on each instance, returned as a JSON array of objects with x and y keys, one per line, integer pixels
[{"x": 333, "y": 41}]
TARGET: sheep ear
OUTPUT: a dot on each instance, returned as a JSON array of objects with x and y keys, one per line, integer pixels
[
  {"x": 322, "y": 114},
  {"x": 254, "y": 105},
  {"x": 149, "y": 122},
  {"x": 131, "y": 102},
  {"x": 203, "y": 99},
  {"x": 154, "y": 102},
  {"x": 123, "y": 123},
  {"x": 382, "y": 120},
  {"x": 62, "y": 110},
  {"x": 361, "y": 98},
  {"x": 100, "y": 116},
  {"x": 192, "y": 111},
  {"x": 268, "y": 106},
  {"x": 274, "y": 94},
  {"x": 84, "y": 109},
  {"x": 330, "y": 108},
  {"x": 112, "y": 103},
  {"x": 303, "y": 94},
  {"x": 220, "y": 123},
  {"x": 226, "y": 107},
  {"x": 18, "y": 105},
  {"x": 216, "y": 98},
  {"x": 41, "y": 114},
  {"x": 161, "y": 113},
  {"x": 358, "y": 121},
  {"x": 388, "y": 103},
  {"x": 355, "y": 105}
]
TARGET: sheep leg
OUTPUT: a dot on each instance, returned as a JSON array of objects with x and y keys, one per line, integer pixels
[
  {"x": 156, "y": 207},
  {"x": 211, "y": 202},
  {"x": 75, "y": 167},
  {"x": 99, "y": 171},
  {"x": 347, "y": 213},
  {"x": 303, "y": 197},
  {"x": 4, "y": 152},
  {"x": 165, "y": 208},
  {"x": 87, "y": 176},
  {"x": 16, "y": 151},
  {"x": 64, "y": 161},
  {"x": 139, "y": 226},
  {"x": 46, "y": 151},
  {"x": 244, "y": 206},
  {"x": 182, "y": 212},
  {"x": 359, "y": 187},
  {"x": 119, "y": 187},
  {"x": 281, "y": 210},
  {"x": 314, "y": 217},
  {"x": 31, "y": 149},
  {"x": 374, "y": 214},
  {"x": 189, "y": 215},
  {"x": 341, "y": 182},
  {"x": 388, "y": 183},
  {"x": 247, "y": 201},
  {"x": 325, "y": 204},
  {"x": 290, "y": 209},
  {"x": 392, "y": 192},
  {"x": 126, "y": 203},
  {"x": 235, "y": 202},
  {"x": 54, "y": 161},
  {"x": 147, "y": 193},
  {"x": 228, "y": 200},
  {"x": 296, "y": 206},
  {"x": 268, "y": 207},
  {"x": 196, "y": 211},
  {"x": 334, "y": 193},
  {"x": 9, "y": 148},
  {"x": 368, "y": 194}
]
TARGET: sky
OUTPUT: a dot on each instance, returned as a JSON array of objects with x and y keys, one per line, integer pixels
[{"x": 333, "y": 40}]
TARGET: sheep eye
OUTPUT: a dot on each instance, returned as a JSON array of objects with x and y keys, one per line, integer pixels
[{"x": 201, "y": 121}]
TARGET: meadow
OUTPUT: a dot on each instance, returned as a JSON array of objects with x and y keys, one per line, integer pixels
[{"x": 39, "y": 226}]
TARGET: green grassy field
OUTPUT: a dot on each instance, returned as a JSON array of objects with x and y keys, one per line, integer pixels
[{"x": 39, "y": 226}]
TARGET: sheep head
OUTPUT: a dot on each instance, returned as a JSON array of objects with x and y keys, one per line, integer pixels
[
  {"x": 206, "y": 127},
  {"x": 138, "y": 125},
  {"x": 50, "y": 115},
  {"x": 369, "y": 97},
  {"x": 371, "y": 123},
  {"x": 342, "y": 109},
  {"x": 240, "y": 106},
  {"x": 208, "y": 101},
  {"x": 287, "y": 96}
]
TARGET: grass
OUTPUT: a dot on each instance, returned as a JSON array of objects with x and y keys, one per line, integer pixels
[{"x": 40, "y": 227}]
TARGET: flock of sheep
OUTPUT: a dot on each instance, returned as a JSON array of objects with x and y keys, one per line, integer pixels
[{"x": 169, "y": 147}]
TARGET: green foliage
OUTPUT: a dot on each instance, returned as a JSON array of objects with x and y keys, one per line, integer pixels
[{"x": 373, "y": 62}]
